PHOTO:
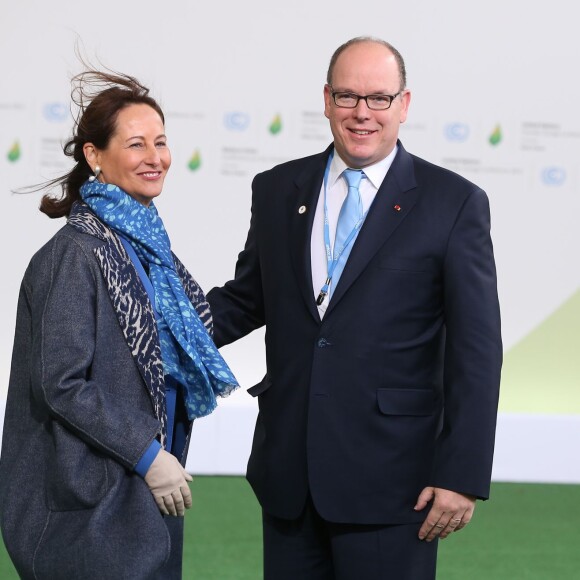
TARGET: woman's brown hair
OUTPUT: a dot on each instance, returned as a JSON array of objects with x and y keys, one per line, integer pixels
[{"x": 100, "y": 96}]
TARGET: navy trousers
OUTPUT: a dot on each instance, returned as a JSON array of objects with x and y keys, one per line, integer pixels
[{"x": 311, "y": 548}]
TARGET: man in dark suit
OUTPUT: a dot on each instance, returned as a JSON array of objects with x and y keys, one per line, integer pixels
[{"x": 377, "y": 415}]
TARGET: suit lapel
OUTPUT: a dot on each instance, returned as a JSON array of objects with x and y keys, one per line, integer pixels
[
  {"x": 393, "y": 201},
  {"x": 301, "y": 209}
]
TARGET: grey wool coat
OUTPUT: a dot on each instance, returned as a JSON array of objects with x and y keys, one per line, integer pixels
[{"x": 85, "y": 400}]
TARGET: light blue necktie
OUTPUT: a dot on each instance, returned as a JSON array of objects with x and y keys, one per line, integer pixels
[{"x": 351, "y": 213}]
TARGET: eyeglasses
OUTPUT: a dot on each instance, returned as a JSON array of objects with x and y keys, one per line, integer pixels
[{"x": 347, "y": 100}]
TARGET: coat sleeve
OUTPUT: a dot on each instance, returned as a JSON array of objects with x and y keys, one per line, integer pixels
[
  {"x": 473, "y": 354},
  {"x": 70, "y": 351},
  {"x": 237, "y": 307}
]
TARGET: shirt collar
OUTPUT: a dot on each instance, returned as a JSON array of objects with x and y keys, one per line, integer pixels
[{"x": 375, "y": 173}]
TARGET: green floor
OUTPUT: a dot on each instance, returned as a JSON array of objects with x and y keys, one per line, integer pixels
[{"x": 525, "y": 532}]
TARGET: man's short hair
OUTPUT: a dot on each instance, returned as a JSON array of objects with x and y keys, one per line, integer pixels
[{"x": 372, "y": 40}]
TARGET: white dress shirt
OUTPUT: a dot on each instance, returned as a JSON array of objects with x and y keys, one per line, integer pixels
[{"x": 337, "y": 189}]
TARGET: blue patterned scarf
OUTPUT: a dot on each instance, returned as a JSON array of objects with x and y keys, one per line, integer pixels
[{"x": 206, "y": 372}]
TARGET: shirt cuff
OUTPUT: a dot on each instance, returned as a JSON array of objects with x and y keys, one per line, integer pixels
[{"x": 147, "y": 458}]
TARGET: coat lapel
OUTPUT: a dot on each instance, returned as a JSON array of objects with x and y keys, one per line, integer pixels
[
  {"x": 131, "y": 305},
  {"x": 195, "y": 294},
  {"x": 393, "y": 201},
  {"x": 301, "y": 209}
]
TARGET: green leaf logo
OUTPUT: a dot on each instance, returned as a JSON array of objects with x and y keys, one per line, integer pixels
[
  {"x": 496, "y": 136},
  {"x": 195, "y": 161},
  {"x": 276, "y": 125},
  {"x": 14, "y": 153}
]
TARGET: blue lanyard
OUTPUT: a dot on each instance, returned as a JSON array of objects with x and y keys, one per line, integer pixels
[{"x": 333, "y": 255}]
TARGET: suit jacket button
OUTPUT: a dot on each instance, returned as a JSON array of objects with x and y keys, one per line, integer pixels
[{"x": 322, "y": 342}]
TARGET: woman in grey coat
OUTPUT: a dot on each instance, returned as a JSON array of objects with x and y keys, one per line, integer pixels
[{"x": 112, "y": 361}]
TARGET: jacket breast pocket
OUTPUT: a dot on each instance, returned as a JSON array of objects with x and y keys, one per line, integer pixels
[
  {"x": 408, "y": 265},
  {"x": 409, "y": 402},
  {"x": 77, "y": 474}
]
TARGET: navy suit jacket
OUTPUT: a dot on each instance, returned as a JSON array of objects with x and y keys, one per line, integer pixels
[{"x": 396, "y": 388}]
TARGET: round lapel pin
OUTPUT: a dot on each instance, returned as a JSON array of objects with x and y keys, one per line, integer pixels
[{"x": 302, "y": 209}]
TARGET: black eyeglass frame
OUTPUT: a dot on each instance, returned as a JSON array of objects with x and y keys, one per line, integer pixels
[{"x": 391, "y": 98}]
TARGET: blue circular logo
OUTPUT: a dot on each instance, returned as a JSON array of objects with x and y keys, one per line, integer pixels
[
  {"x": 457, "y": 132},
  {"x": 56, "y": 112},
  {"x": 554, "y": 175},
  {"x": 236, "y": 121}
]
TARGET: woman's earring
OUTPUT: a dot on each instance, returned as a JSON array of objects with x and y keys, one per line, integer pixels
[{"x": 96, "y": 175}]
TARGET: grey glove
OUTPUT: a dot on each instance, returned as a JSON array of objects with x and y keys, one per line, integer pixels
[{"x": 167, "y": 481}]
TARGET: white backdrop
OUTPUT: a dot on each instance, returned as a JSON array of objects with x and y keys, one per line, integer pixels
[{"x": 495, "y": 93}]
